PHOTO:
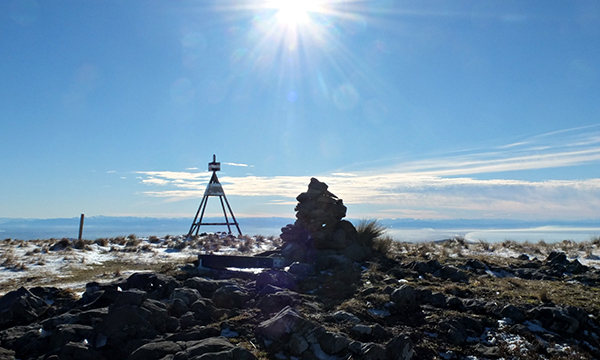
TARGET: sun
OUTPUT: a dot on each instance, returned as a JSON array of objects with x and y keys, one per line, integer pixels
[{"x": 294, "y": 12}]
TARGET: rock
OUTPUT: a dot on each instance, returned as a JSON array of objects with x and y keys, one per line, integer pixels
[
  {"x": 344, "y": 316},
  {"x": 372, "y": 351},
  {"x": 203, "y": 310},
  {"x": 455, "y": 303},
  {"x": 237, "y": 353},
  {"x": 130, "y": 297},
  {"x": 20, "y": 307},
  {"x": 557, "y": 258},
  {"x": 178, "y": 307},
  {"x": 201, "y": 347},
  {"x": 297, "y": 345},
  {"x": 206, "y": 287},
  {"x": 126, "y": 322},
  {"x": 279, "y": 278},
  {"x": 283, "y": 325},
  {"x": 360, "y": 330},
  {"x": 301, "y": 270},
  {"x": 514, "y": 313},
  {"x": 405, "y": 297},
  {"x": 451, "y": 273},
  {"x": 454, "y": 331},
  {"x": 229, "y": 297},
  {"x": 78, "y": 351},
  {"x": 400, "y": 348},
  {"x": 275, "y": 302},
  {"x": 476, "y": 264},
  {"x": 420, "y": 267},
  {"x": 66, "y": 333},
  {"x": 158, "y": 314},
  {"x": 195, "y": 334},
  {"x": 155, "y": 350},
  {"x": 187, "y": 295},
  {"x": 6, "y": 354},
  {"x": 575, "y": 267},
  {"x": 333, "y": 343},
  {"x": 158, "y": 286}
]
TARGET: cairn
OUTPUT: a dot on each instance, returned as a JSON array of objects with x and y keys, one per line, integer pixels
[{"x": 319, "y": 227}]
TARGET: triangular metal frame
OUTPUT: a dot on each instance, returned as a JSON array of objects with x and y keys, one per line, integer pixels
[{"x": 213, "y": 188}]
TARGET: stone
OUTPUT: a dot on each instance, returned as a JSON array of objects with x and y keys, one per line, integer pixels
[
  {"x": 195, "y": 334},
  {"x": 126, "y": 322},
  {"x": 66, "y": 333},
  {"x": 400, "y": 348},
  {"x": 130, "y": 297},
  {"x": 158, "y": 286},
  {"x": 360, "y": 330},
  {"x": 229, "y": 297},
  {"x": 451, "y": 273},
  {"x": 297, "y": 345},
  {"x": 206, "y": 287},
  {"x": 333, "y": 343},
  {"x": 405, "y": 297},
  {"x": 301, "y": 270},
  {"x": 155, "y": 350},
  {"x": 78, "y": 351},
  {"x": 186, "y": 294},
  {"x": 203, "y": 310},
  {"x": 237, "y": 353},
  {"x": 275, "y": 302},
  {"x": 454, "y": 331},
  {"x": 20, "y": 307},
  {"x": 372, "y": 351},
  {"x": 279, "y": 278},
  {"x": 6, "y": 354},
  {"x": 281, "y": 326},
  {"x": 201, "y": 347},
  {"x": 557, "y": 258},
  {"x": 178, "y": 307},
  {"x": 344, "y": 316},
  {"x": 514, "y": 313}
]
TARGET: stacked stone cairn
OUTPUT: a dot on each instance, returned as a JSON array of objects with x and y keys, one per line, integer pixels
[{"x": 319, "y": 228}]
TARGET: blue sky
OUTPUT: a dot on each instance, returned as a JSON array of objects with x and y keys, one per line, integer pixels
[{"x": 407, "y": 109}]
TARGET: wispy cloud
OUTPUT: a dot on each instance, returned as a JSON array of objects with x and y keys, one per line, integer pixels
[
  {"x": 235, "y": 164},
  {"x": 442, "y": 187}
]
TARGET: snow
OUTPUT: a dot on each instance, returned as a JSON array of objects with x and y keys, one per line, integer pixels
[{"x": 32, "y": 263}]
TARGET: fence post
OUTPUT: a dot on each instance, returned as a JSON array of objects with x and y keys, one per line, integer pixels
[{"x": 81, "y": 226}]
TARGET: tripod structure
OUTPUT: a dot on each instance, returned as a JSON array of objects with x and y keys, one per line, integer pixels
[{"x": 214, "y": 188}]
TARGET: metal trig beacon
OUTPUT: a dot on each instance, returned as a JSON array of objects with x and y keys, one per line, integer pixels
[{"x": 214, "y": 188}]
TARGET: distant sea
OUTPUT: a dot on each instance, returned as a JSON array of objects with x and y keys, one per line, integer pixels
[{"x": 411, "y": 230}]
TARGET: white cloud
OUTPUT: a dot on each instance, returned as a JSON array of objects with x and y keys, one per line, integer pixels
[
  {"x": 235, "y": 164},
  {"x": 434, "y": 188}
]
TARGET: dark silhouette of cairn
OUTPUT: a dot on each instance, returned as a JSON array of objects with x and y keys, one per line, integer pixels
[{"x": 319, "y": 227}]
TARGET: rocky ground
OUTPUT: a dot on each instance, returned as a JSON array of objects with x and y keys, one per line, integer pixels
[
  {"x": 447, "y": 300},
  {"x": 348, "y": 293}
]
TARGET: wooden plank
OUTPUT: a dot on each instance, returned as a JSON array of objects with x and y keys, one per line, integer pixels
[{"x": 225, "y": 261}]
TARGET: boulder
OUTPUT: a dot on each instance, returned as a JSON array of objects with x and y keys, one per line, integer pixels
[
  {"x": 400, "y": 348},
  {"x": 20, "y": 307},
  {"x": 155, "y": 350},
  {"x": 206, "y": 287},
  {"x": 405, "y": 297},
  {"x": 281, "y": 326},
  {"x": 230, "y": 297},
  {"x": 333, "y": 343}
]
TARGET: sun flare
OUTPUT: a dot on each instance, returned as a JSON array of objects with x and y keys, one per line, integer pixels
[{"x": 294, "y": 12}]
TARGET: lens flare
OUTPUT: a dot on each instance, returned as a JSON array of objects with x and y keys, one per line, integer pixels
[{"x": 294, "y": 12}]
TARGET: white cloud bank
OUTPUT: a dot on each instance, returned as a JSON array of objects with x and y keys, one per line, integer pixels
[{"x": 443, "y": 187}]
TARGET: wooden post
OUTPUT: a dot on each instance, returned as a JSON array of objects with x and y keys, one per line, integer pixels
[{"x": 81, "y": 226}]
